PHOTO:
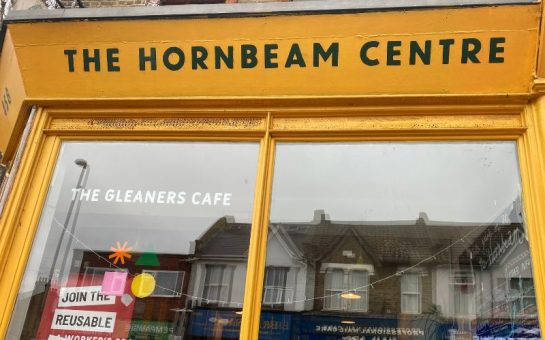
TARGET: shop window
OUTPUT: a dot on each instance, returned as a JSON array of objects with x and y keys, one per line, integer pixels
[
  {"x": 411, "y": 302},
  {"x": 167, "y": 283},
  {"x": 119, "y": 237},
  {"x": 353, "y": 227},
  {"x": 384, "y": 233},
  {"x": 346, "y": 290},
  {"x": 275, "y": 290}
]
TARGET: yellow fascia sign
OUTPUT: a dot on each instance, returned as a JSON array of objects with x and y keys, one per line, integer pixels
[
  {"x": 486, "y": 50},
  {"x": 12, "y": 95}
]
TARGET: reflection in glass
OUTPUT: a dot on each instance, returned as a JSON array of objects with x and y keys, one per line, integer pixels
[
  {"x": 140, "y": 241},
  {"x": 398, "y": 241}
]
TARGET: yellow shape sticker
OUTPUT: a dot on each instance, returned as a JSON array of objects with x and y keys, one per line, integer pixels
[{"x": 143, "y": 285}]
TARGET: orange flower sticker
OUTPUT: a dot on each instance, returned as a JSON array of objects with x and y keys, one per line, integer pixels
[{"x": 120, "y": 253}]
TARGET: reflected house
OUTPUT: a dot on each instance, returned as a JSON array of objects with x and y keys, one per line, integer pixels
[
  {"x": 219, "y": 265},
  {"x": 218, "y": 273},
  {"x": 435, "y": 278},
  {"x": 372, "y": 261},
  {"x": 412, "y": 279}
]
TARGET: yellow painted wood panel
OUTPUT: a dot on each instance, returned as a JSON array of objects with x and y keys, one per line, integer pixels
[
  {"x": 12, "y": 95},
  {"x": 47, "y": 50}
]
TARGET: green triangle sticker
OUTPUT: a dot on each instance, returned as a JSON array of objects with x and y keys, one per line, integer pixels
[{"x": 148, "y": 259}]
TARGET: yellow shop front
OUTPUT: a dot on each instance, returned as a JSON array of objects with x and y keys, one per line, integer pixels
[{"x": 273, "y": 174}]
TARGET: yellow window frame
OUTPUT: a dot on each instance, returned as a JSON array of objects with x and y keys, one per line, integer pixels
[{"x": 269, "y": 121}]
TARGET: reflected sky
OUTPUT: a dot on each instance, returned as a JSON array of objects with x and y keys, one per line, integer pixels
[
  {"x": 116, "y": 168},
  {"x": 456, "y": 182}
]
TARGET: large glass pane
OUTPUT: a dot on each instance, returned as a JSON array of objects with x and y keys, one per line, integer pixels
[
  {"x": 140, "y": 240},
  {"x": 398, "y": 241}
]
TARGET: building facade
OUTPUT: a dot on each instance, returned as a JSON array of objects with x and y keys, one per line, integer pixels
[{"x": 289, "y": 170}]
